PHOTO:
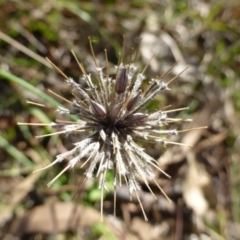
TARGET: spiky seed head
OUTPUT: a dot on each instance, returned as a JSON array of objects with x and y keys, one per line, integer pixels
[{"x": 111, "y": 113}]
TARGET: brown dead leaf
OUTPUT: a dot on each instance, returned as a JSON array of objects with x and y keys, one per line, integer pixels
[
  {"x": 196, "y": 182},
  {"x": 63, "y": 217}
]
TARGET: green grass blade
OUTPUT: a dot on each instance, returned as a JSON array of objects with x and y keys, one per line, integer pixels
[
  {"x": 15, "y": 153},
  {"x": 12, "y": 78}
]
